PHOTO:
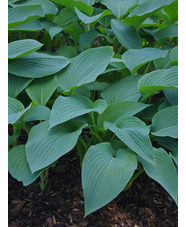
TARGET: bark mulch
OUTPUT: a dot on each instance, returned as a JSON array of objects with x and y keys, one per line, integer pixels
[{"x": 62, "y": 204}]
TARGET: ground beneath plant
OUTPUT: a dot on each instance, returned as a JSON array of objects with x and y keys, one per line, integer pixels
[{"x": 62, "y": 204}]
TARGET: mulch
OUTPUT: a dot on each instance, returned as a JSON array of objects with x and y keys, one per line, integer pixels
[{"x": 61, "y": 204}]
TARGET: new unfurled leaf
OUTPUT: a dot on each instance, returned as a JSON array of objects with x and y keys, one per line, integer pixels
[
  {"x": 105, "y": 173},
  {"x": 165, "y": 122},
  {"x": 135, "y": 134},
  {"x": 67, "y": 108}
]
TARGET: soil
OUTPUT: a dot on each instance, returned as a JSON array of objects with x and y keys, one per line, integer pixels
[{"x": 61, "y": 204}]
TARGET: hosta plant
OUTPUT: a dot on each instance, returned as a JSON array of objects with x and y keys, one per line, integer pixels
[{"x": 100, "y": 76}]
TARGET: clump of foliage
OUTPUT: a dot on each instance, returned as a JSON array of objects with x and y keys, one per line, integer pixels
[{"x": 101, "y": 76}]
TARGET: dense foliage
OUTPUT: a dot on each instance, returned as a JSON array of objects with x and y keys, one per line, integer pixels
[{"x": 101, "y": 76}]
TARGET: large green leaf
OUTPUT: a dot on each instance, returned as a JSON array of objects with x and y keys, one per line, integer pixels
[
  {"x": 75, "y": 30},
  {"x": 85, "y": 67},
  {"x": 67, "y": 108},
  {"x": 157, "y": 80},
  {"x": 118, "y": 110},
  {"x": 144, "y": 10},
  {"x": 174, "y": 55},
  {"x": 105, "y": 173},
  {"x": 47, "y": 6},
  {"x": 65, "y": 16},
  {"x": 46, "y": 146},
  {"x": 24, "y": 14},
  {"x": 18, "y": 165},
  {"x": 37, "y": 113},
  {"x": 67, "y": 51},
  {"x": 170, "y": 31},
  {"x": 134, "y": 59},
  {"x": 15, "y": 110},
  {"x": 71, "y": 4},
  {"x": 51, "y": 27},
  {"x": 23, "y": 47},
  {"x": 135, "y": 134},
  {"x": 30, "y": 26},
  {"x": 16, "y": 84},
  {"x": 165, "y": 122},
  {"x": 123, "y": 90},
  {"x": 172, "y": 10},
  {"x": 171, "y": 95},
  {"x": 86, "y": 38},
  {"x": 41, "y": 89},
  {"x": 119, "y": 7},
  {"x": 89, "y": 19},
  {"x": 126, "y": 34},
  {"x": 37, "y": 65},
  {"x": 163, "y": 171}
]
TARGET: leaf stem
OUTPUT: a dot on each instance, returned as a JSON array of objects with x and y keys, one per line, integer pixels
[{"x": 133, "y": 179}]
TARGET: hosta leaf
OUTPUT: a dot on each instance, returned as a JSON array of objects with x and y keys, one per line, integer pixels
[
  {"x": 134, "y": 59},
  {"x": 89, "y": 19},
  {"x": 135, "y": 134},
  {"x": 168, "y": 142},
  {"x": 67, "y": 108},
  {"x": 31, "y": 27},
  {"x": 51, "y": 27},
  {"x": 126, "y": 34},
  {"x": 88, "y": 2},
  {"x": 174, "y": 56},
  {"x": 170, "y": 31},
  {"x": 105, "y": 173},
  {"x": 18, "y": 165},
  {"x": 163, "y": 63},
  {"x": 15, "y": 110},
  {"x": 172, "y": 11},
  {"x": 41, "y": 89},
  {"x": 16, "y": 84},
  {"x": 119, "y": 7},
  {"x": 65, "y": 16},
  {"x": 46, "y": 146},
  {"x": 165, "y": 122},
  {"x": 23, "y": 47},
  {"x": 37, "y": 113},
  {"x": 83, "y": 91},
  {"x": 171, "y": 95},
  {"x": 86, "y": 38},
  {"x": 97, "y": 86},
  {"x": 163, "y": 171},
  {"x": 13, "y": 137},
  {"x": 37, "y": 65},
  {"x": 123, "y": 90},
  {"x": 120, "y": 109},
  {"x": 157, "y": 80},
  {"x": 144, "y": 10},
  {"x": 47, "y": 6},
  {"x": 115, "y": 64},
  {"x": 71, "y": 4},
  {"x": 67, "y": 51},
  {"x": 24, "y": 14},
  {"x": 85, "y": 67},
  {"x": 75, "y": 31}
]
